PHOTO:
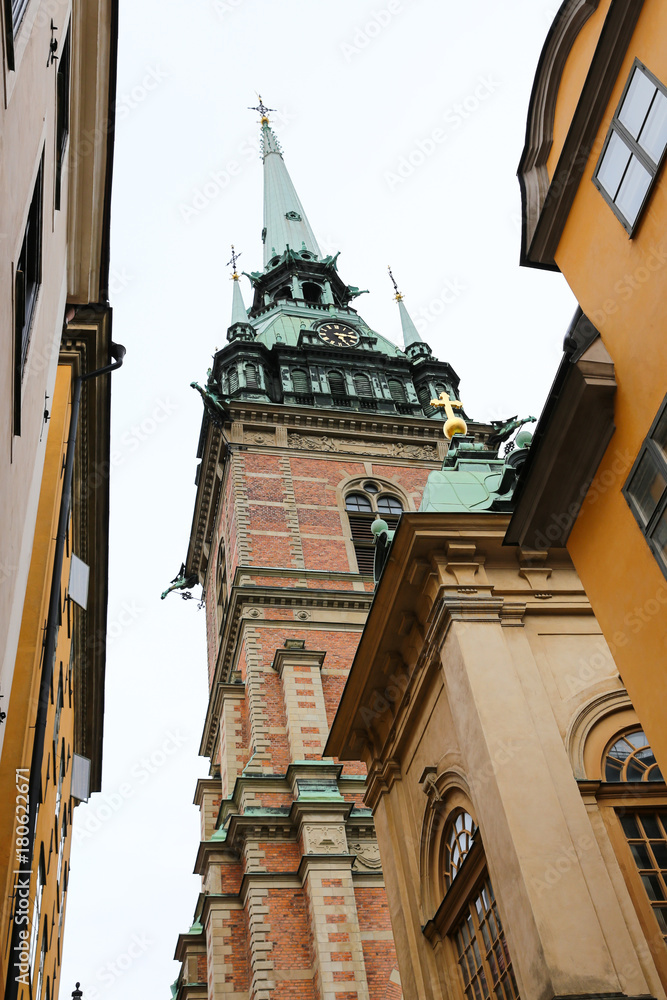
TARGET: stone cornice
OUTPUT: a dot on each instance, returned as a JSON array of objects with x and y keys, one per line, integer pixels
[
  {"x": 85, "y": 346},
  {"x": 258, "y": 426},
  {"x": 444, "y": 569}
]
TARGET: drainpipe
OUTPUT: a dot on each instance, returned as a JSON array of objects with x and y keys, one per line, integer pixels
[{"x": 48, "y": 659}]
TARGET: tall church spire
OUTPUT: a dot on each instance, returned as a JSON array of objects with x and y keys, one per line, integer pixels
[
  {"x": 413, "y": 344},
  {"x": 285, "y": 222}
]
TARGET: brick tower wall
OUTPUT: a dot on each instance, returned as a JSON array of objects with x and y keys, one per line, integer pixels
[{"x": 293, "y": 902}]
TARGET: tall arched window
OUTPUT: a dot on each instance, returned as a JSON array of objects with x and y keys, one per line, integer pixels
[
  {"x": 362, "y": 385},
  {"x": 312, "y": 292},
  {"x": 396, "y": 390},
  {"x": 251, "y": 375},
  {"x": 641, "y": 809},
  {"x": 336, "y": 384},
  {"x": 221, "y": 584},
  {"x": 233, "y": 376},
  {"x": 362, "y": 504},
  {"x": 458, "y": 841},
  {"x": 300, "y": 381},
  {"x": 468, "y": 921}
]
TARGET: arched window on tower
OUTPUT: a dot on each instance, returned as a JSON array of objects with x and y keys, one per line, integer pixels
[
  {"x": 300, "y": 381},
  {"x": 362, "y": 504},
  {"x": 283, "y": 293},
  {"x": 251, "y": 376},
  {"x": 363, "y": 387},
  {"x": 312, "y": 292},
  {"x": 233, "y": 378},
  {"x": 221, "y": 584},
  {"x": 336, "y": 383},
  {"x": 397, "y": 390}
]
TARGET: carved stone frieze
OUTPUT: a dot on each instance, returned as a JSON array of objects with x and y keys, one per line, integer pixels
[{"x": 389, "y": 449}]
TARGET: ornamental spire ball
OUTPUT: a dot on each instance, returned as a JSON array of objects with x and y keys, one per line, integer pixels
[{"x": 453, "y": 424}]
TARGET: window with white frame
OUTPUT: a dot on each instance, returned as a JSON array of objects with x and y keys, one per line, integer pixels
[{"x": 635, "y": 146}]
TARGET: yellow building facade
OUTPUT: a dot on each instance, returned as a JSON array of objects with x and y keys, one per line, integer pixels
[
  {"x": 595, "y": 208},
  {"x": 57, "y": 77}
]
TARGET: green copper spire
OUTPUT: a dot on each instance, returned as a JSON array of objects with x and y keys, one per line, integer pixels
[
  {"x": 239, "y": 314},
  {"x": 285, "y": 222},
  {"x": 412, "y": 342},
  {"x": 240, "y": 328}
]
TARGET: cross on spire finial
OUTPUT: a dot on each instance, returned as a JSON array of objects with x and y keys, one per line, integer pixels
[
  {"x": 398, "y": 295},
  {"x": 235, "y": 257},
  {"x": 263, "y": 110}
]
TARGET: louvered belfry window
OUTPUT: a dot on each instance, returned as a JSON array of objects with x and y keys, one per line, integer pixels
[
  {"x": 233, "y": 375},
  {"x": 337, "y": 384},
  {"x": 397, "y": 390},
  {"x": 361, "y": 509},
  {"x": 363, "y": 386},
  {"x": 251, "y": 379},
  {"x": 300, "y": 382}
]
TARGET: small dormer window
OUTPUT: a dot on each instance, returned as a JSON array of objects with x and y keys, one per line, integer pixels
[{"x": 293, "y": 216}]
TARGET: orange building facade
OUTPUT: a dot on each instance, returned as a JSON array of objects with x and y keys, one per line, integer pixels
[{"x": 595, "y": 208}]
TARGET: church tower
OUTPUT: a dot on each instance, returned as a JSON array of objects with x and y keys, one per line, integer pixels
[{"x": 313, "y": 425}]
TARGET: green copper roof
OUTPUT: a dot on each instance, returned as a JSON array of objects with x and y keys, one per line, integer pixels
[
  {"x": 285, "y": 222},
  {"x": 196, "y": 927},
  {"x": 410, "y": 334},
  {"x": 239, "y": 314},
  {"x": 283, "y": 324},
  {"x": 473, "y": 478}
]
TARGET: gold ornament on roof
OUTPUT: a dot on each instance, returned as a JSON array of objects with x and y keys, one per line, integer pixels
[{"x": 453, "y": 424}]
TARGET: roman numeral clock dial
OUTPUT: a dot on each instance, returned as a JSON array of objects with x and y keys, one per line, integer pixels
[{"x": 338, "y": 335}]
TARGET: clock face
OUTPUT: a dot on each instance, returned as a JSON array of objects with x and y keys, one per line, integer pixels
[{"x": 338, "y": 335}]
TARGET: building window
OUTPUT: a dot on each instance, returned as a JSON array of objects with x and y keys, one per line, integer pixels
[
  {"x": 312, "y": 292},
  {"x": 362, "y": 508},
  {"x": 646, "y": 487},
  {"x": 362, "y": 386},
  {"x": 630, "y": 758},
  {"x": 37, "y": 909},
  {"x": 221, "y": 584},
  {"x": 646, "y": 834},
  {"x": 634, "y": 147},
  {"x": 251, "y": 376},
  {"x": 37, "y": 984},
  {"x": 62, "y": 122},
  {"x": 233, "y": 377},
  {"x": 396, "y": 390},
  {"x": 300, "y": 382},
  {"x": 27, "y": 280},
  {"x": 336, "y": 384},
  {"x": 14, "y": 11},
  {"x": 483, "y": 957},
  {"x": 458, "y": 841}
]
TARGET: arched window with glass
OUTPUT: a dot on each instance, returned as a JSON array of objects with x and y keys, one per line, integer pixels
[
  {"x": 640, "y": 805},
  {"x": 363, "y": 502},
  {"x": 468, "y": 919}
]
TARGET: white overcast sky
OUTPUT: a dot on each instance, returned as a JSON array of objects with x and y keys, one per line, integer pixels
[{"x": 362, "y": 88}]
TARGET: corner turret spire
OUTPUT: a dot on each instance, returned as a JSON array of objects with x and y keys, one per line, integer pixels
[
  {"x": 412, "y": 342},
  {"x": 239, "y": 328},
  {"x": 285, "y": 222}
]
